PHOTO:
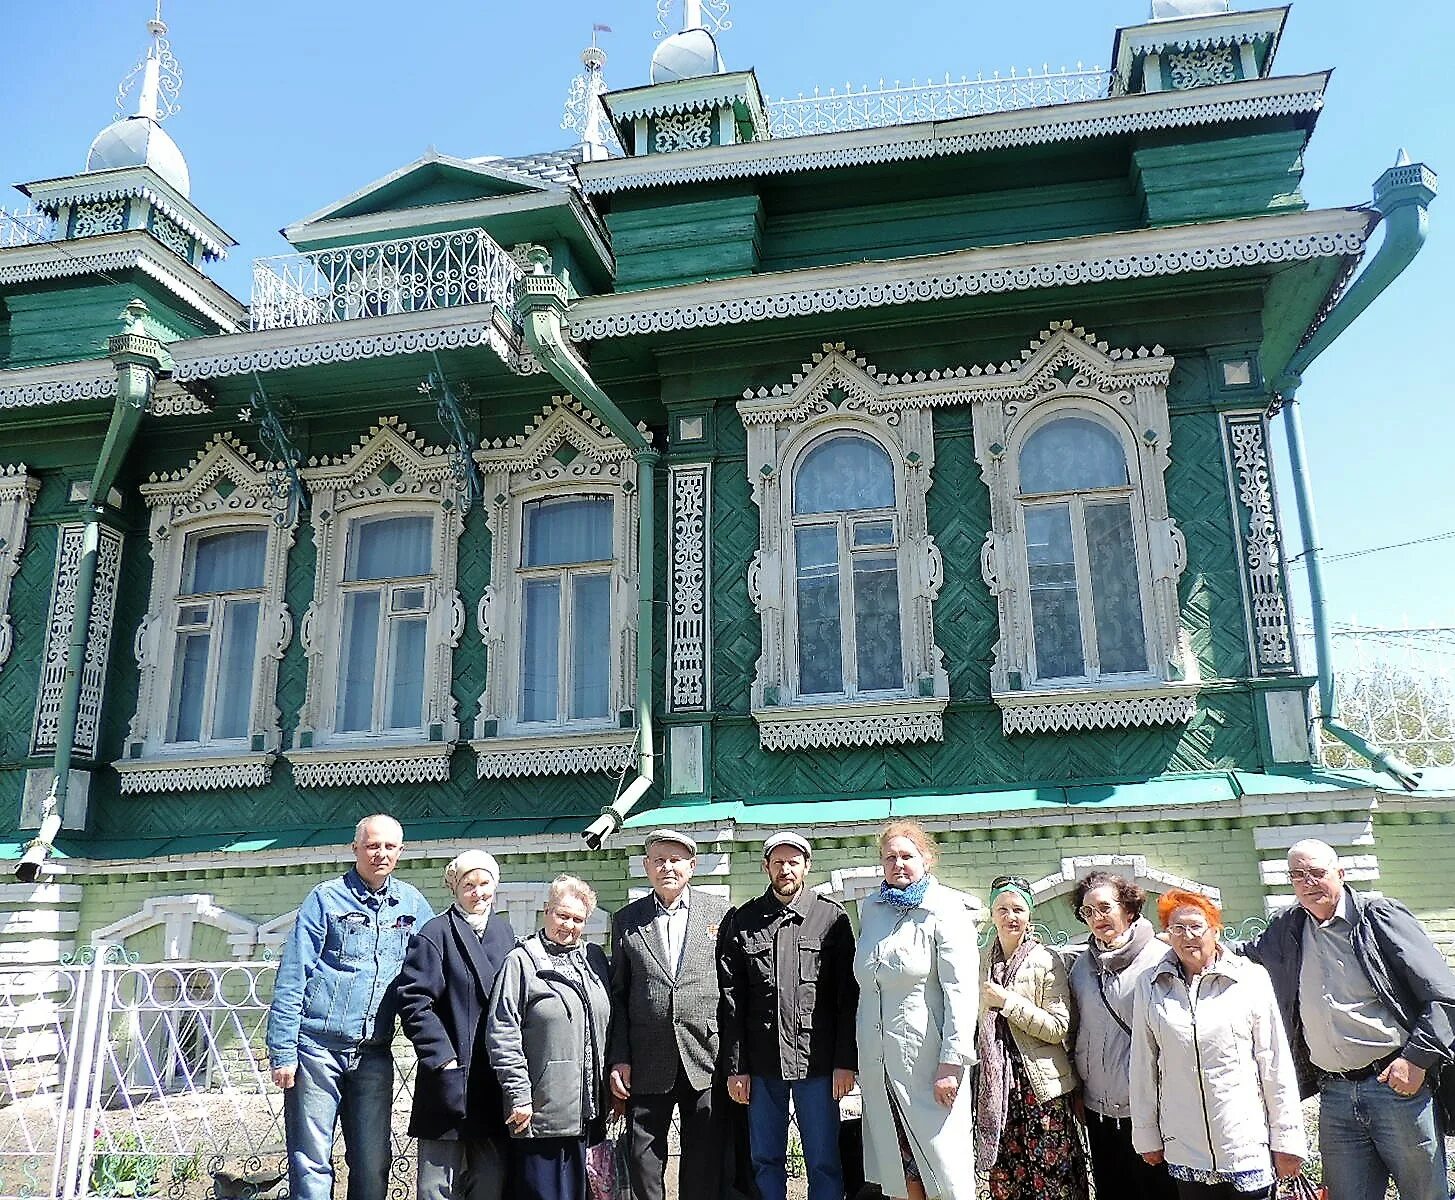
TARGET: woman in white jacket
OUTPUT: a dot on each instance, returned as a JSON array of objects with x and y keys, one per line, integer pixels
[
  {"x": 1213, "y": 1088},
  {"x": 917, "y": 966}
]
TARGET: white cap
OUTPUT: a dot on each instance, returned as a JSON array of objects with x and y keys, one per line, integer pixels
[
  {"x": 786, "y": 837},
  {"x": 672, "y": 835}
]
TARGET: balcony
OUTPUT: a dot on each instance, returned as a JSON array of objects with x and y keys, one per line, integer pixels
[{"x": 376, "y": 279}]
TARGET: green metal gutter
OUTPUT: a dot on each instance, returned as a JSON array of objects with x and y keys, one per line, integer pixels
[
  {"x": 541, "y": 298},
  {"x": 138, "y": 359},
  {"x": 1402, "y": 196}
]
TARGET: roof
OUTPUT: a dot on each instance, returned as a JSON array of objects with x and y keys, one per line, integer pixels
[{"x": 555, "y": 168}]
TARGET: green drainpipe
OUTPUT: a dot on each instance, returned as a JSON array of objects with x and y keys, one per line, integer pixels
[
  {"x": 541, "y": 298},
  {"x": 1401, "y": 196},
  {"x": 138, "y": 359}
]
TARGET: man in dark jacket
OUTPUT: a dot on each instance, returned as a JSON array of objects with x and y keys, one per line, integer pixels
[
  {"x": 1369, "y": 1005},
  {"x": 443, "y": 993},
  {"x": 786, "y": 969}
]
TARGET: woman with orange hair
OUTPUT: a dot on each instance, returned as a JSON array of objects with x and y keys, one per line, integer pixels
[{"x": 1214, "y": 1094}]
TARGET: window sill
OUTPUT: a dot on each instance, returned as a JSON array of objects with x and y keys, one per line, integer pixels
[
  {"x": 1058, "y": 710},
  {"x": 345, "y": 766},
  {"x": 851, "y": 723},
  {"x": 600, "y": 750},
  {"x": 194, "y": 772}
]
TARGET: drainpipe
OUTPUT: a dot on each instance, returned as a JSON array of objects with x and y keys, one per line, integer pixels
[
  {"x": 138, "y": 358},
  {"x": 1401, "y": 196},
  {"x": 541, "y": 297}
]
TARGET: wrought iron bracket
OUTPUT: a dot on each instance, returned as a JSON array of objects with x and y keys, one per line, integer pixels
[
  {"x": 272, "y": 418},
  {"x": 453, "y": 418}
]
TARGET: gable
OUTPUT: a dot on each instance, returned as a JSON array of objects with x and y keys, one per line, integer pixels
[{"x": 431, "y": 183}]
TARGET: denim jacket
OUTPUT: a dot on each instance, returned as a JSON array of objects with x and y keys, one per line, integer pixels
[{"x": 334, "y": 984}]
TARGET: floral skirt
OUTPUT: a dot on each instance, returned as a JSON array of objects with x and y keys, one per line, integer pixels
[{"x": 1041, "y": 1157}]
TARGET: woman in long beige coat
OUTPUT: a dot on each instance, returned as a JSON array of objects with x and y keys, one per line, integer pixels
[{"x": 918, "y": 971}]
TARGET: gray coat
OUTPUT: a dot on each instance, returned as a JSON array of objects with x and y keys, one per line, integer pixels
[
  {"x": 661, "y": 1018},
  {"x": 546, "y": 1034}
]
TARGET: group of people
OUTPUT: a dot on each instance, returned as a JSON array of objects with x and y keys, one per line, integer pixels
[{"x": 1158, "y": 1064}]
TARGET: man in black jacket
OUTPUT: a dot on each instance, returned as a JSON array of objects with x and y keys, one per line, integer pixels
[
  {"x": 1369, "y": 1005},
  {"x": 786, "y": 969}
]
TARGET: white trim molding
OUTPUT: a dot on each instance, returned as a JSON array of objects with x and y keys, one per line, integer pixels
[
  {"x": 860, "y": 723},
  {"x": 391, "y": 472},
  {"x": 1129, "y": 866},
  {"x": 566, "y": 450},
  {"x": 990, "y": 270},
  {"x": 224, "y": 489},
  {"x": 179, "y": 916},
  {"x": 689, "y": 555},
  {"x": 126, "y": 183},
  {"x": 91, "y": 379},
  {"x": 1064, "y": 709},
  {"x": 18, "y": 490}
]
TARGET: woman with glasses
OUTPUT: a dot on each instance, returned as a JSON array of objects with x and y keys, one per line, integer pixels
[
  {"x": 1122, "y": 949},
  {"x": 1214, "y": 1094},
  {"x": 1025, "y": 1133},
  {"x": 916, "y": 967}
]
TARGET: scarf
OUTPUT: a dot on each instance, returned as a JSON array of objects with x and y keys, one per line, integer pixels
[
  {"x": 905, "y": 899},
  {"x": 477, "y": 921},
  {"x": 1114, "y": 959},
  {"x": 993, "y": 1041}
]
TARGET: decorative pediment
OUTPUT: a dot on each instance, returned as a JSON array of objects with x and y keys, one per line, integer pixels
[
  {"x": 225, "y": 477},
  {"x": 564, "y": 430},
  {"x": 18, "y": 490},
  {"x": 391, "y": 463}
]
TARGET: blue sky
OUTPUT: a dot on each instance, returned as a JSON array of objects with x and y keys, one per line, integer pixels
[{"x": 288, "y": 106}]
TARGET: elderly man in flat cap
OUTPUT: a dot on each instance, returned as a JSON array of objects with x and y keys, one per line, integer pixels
[
  {"x": 444, "y": 994},
  {"x": 663, "y": 1045},
  {"x": 786, "y": 968}
]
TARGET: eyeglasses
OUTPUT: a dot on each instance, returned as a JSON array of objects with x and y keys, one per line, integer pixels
[
  {"x": 1193, "y": 930},
  {"x": 1014, "y": 881},
  {"x": 1087, "y": 911},
  {"x": 1307, "y": 874}
]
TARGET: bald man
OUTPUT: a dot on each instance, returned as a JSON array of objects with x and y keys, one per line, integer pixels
[
  {"x": 1369, "y": 1005},
  {"x": 332, "y": 1017}
]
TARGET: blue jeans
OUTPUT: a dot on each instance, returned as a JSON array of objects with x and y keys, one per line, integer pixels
[
  {"x": 818, "y": 1132},
  {"x": 356, "y": 1089},
  {"x": 1368, "y": 1134}
]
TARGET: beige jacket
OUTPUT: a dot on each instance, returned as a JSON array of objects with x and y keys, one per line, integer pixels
[{"x": 1038, "y": 1012}]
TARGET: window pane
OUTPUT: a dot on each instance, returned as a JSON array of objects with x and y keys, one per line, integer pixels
[
  {"x": 1072, "y": 454},
  {"x": 844, "y": 474},
  {"x": 876, "y": 622},
  {"x": 540, "y": 656},
  {"x": 234, "y": 702},
  {"x": 406, "y": 679},
  {"x": 873, "y": 533},
  {"x": 189, "y": 687},
  {"x": 392, "y": 548},
  {"x": 568, "y": 530},
  {"x": 1055, "y": 619},
  {"x": 1115, "y": 597},
  {"x": 590, "y": 645},
  {"x": 820, "y": 651},
  {"x": 226, "y": 562},
  {"x": 358, "y": 662}
]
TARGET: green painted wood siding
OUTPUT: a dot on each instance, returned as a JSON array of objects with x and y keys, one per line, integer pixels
[
  {"x": 713, "y": 236},
  {"x": 1241, "y": 176}
]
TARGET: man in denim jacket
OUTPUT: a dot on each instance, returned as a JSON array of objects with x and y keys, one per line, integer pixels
[{"x": 332, "y": 1017}]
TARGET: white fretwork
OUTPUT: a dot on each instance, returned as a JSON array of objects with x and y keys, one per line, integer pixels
[
  {"x": 18, "y": 490},
  {"x": 70, "y": 544},
  {"x": 1262, "y": 544},
  {"x": 1200, "y": 68},
  {"x": 688, "y": 629},
  {"x": 104, "y": 216},
  {"x": 681, "y": 131}
]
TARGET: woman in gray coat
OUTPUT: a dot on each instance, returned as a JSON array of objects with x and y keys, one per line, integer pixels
[{"x": 547, "y": 1040}]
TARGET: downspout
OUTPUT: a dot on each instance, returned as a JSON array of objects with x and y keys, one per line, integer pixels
[
  {"x": 138, "y": 358},
  {"x": 541, "y": 298},
  {"x": 1401, "y": 196}
]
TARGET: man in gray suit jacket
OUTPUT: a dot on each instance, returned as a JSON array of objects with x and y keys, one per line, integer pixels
[{"x": 663, "y": 1045}]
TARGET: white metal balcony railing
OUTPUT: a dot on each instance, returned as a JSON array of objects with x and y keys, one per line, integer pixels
[
  {"x": 902, "y": 104},
  {"x": 25, "y": 227},
  {"x": 373, "y": 279}
]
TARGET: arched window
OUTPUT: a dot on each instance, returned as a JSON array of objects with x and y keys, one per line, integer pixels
[
  {"x": 846, "y": 564},
  {"x": 1076, "y": 494}
]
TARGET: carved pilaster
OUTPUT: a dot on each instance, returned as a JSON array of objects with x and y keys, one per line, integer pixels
[
  {"x": 18, "y": 491},
  {"x": 689, "y": 631},
  {"x": 1272, "y": 633}
]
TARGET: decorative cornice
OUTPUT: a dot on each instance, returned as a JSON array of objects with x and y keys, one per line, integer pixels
[
  {"x": 1100, "y": 258},
  {"x": 1246, "y": 100},
  {"x": 141, "y": 776},
  {"x": 222, "y": 455},
  {"x": 418, "y": 762},
  {"x": 389, "y": 440},
  {"x": 92, "y": 379},
  {"x": 564, "y": 421},
  {"x": 124, "y": 184},
  {"x": 1066, "y": 709},
  {"x": 859, "y": 723},
  {"x": 568, "y": 754},
  {"x": 348, "y": 341}
]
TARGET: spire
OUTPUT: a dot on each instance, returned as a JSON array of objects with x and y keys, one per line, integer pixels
[
  {"x": 583, "y": 104},
  {"x": 160, "y": 74}
]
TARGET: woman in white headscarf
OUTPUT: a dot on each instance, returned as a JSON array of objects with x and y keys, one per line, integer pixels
[{"x": 443, "y": 991}]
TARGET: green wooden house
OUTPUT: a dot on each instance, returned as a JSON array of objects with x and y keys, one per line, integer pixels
[{"x": 740, "y": 466}]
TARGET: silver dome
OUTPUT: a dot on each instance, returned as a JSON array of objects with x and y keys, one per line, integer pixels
[
  {"x": 686, "y": 55},
  {"x": 140, "y": 142}
]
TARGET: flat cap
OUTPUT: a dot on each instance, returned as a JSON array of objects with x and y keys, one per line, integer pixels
[
  {"x": 786, "y": 837},
  {"x": 671, "y": 835}
]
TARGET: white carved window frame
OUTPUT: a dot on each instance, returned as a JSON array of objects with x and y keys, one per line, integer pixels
[
  {"x": 1067, "y": 371},
  {"x": 392, "y": 472},
  {"x": 18, "y": 490},
  {"x": 839, "y": 393},
  {"x": 517, "y": 470},
  {"x": 225, "y": 488}
]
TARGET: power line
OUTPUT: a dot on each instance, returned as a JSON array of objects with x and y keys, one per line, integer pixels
[{"x": 1298, "y": 559}]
